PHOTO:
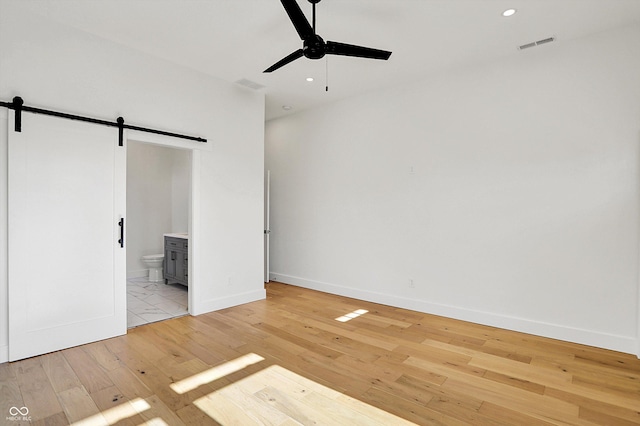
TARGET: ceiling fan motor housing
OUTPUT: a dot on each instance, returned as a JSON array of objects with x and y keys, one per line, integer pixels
[{"x": 314, "y": 47}]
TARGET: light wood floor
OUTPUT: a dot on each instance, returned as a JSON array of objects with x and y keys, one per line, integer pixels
[{"x": 287, "y": 360}]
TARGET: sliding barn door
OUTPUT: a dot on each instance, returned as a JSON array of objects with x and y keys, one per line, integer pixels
[{"x": 67, "y": 279}]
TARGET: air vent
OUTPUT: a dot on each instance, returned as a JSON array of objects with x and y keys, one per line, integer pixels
[
  {"x": 250, "y": 84},
  {"x": 537, "y": 43}
]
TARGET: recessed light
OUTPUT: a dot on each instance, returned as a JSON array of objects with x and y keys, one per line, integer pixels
[
  {"x": 509, "y": 12},
  {"x": 309, "y": 79},
  {"x": 286, "y": 107}
]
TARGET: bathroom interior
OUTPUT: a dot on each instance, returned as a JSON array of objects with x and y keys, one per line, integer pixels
[{"x": 158, "y": 191}]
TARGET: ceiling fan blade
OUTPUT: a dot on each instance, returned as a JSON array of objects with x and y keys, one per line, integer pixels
[
  {"x": 343, "y": 49},
  {"x": 298, "y": 19},
  {"x": 284, "y": 61}
]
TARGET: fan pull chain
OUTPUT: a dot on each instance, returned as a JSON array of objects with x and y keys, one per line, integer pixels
[{"x": 326, "y": 75}]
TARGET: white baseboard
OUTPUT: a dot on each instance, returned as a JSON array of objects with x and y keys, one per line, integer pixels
[
  {"x": 226, "y": 302},
  {"x": 138, "y": 274},
  {"x": 553, "y": 331}
]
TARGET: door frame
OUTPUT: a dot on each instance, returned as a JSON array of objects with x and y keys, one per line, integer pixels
[
  {"x": 267, "y": 225},
  {"x": 194, "y": 216}
]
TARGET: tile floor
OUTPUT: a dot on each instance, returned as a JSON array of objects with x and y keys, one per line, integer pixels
[{"x": 150, "y": 302}]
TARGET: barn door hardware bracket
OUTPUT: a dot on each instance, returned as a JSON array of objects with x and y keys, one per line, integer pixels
[
  {"x": 120, "y": 122},
  {"x": 17, "y": 107}
]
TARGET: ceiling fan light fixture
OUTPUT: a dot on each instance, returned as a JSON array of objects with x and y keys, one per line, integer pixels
[
  {"x": 309, "y": 79},
  {"x": 509, "y": 12}
]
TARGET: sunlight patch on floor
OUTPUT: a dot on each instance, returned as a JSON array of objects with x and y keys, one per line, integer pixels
[
  {"x": 157, "y": 421},
  {"x": 116, "y": 414},
  {"x": 215, "y": 373},
  {"x": 276, "y": 395},
  {"x": 352, "y": 315}
]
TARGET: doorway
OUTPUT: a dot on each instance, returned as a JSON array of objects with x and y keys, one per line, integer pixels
[{"x": 158, "y": 204}]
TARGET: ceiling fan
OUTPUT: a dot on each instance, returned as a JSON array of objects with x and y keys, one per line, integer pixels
[{"x": 313, "y": 46}]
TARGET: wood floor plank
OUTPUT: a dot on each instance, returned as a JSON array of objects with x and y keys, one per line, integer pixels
[
  {"x": 330, "y": 374},
  {"x": 182, "y": 336},
  {"x": 6, "y": 372},
  {"x": 224, "y": 410},
  {"x": 510, "y": 417},
  {"x": 605, "y": 358},
  {"x": 537, "y": 406},
  {"x": 422, "y": 368},
  {"x": 471, "y": 350},
  {"x": 390, "y": 331},
  {"x": 159, "y": 410},
  {"x": 298, "y": 334},
  {"x": 351, "y": 411},
  {"x": 599, "y": 417},
  {"x": 59, "y": 372},
  {"x": 57, "y": 419},
  {"x": 116, "y": 344},
  {"x": 439, "y": 364},
  {"x": 128, "y": 383},
  {"x": 520, "y": 370},
  {"x": 531, "y": 351},
  {"x": 164, "y": 346},
  {"x": 103, "y": 356},
  {"x": 117, "y": 408},
  {"x": 80, "y": 408},
  {"x": 158, "y": 382},
  {"x": 218, "y": 344},
  {"x": 595, "y": 405},
  {"x": 416, "y": 384},
  {"x": 273, "y": 397},
  {"x": 264, "y": 410},
  {"x": 408, "y": 410},
  {"x": 194, "y": 416},
  {"x": 10, "y": 395},
  {"x": 37, "y": 392},
  {"x": 515, "y": 382},
  {"x": 454, "y": 409},
  {"x": 91, "y": 375},
  {"x": 372, "y": 372},
  {"x": 343, "y": 330}
]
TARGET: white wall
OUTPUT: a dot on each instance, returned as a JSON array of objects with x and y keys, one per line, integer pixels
[
  {"x": 60, "y": 68},
  {"x": 157, "y": 200},
  {"x": 180, "y": 190},
  {"x": 508, "y": 193}
]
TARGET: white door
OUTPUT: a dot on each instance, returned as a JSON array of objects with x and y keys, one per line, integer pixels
[
  {"x": 67, "y": 194},
  {"x": 267, "y": 230}
]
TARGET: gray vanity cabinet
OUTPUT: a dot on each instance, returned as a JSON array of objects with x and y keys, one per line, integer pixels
[{"x": 176, "y": 265}]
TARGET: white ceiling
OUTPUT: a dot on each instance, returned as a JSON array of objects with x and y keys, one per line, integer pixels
[{"x": 238, "y": 39}]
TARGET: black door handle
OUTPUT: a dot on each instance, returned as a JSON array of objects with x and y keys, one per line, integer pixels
[{"x": 121, "y": 224}]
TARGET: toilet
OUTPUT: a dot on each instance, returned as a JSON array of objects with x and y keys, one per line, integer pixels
[{"x": 154, "y": 263}]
